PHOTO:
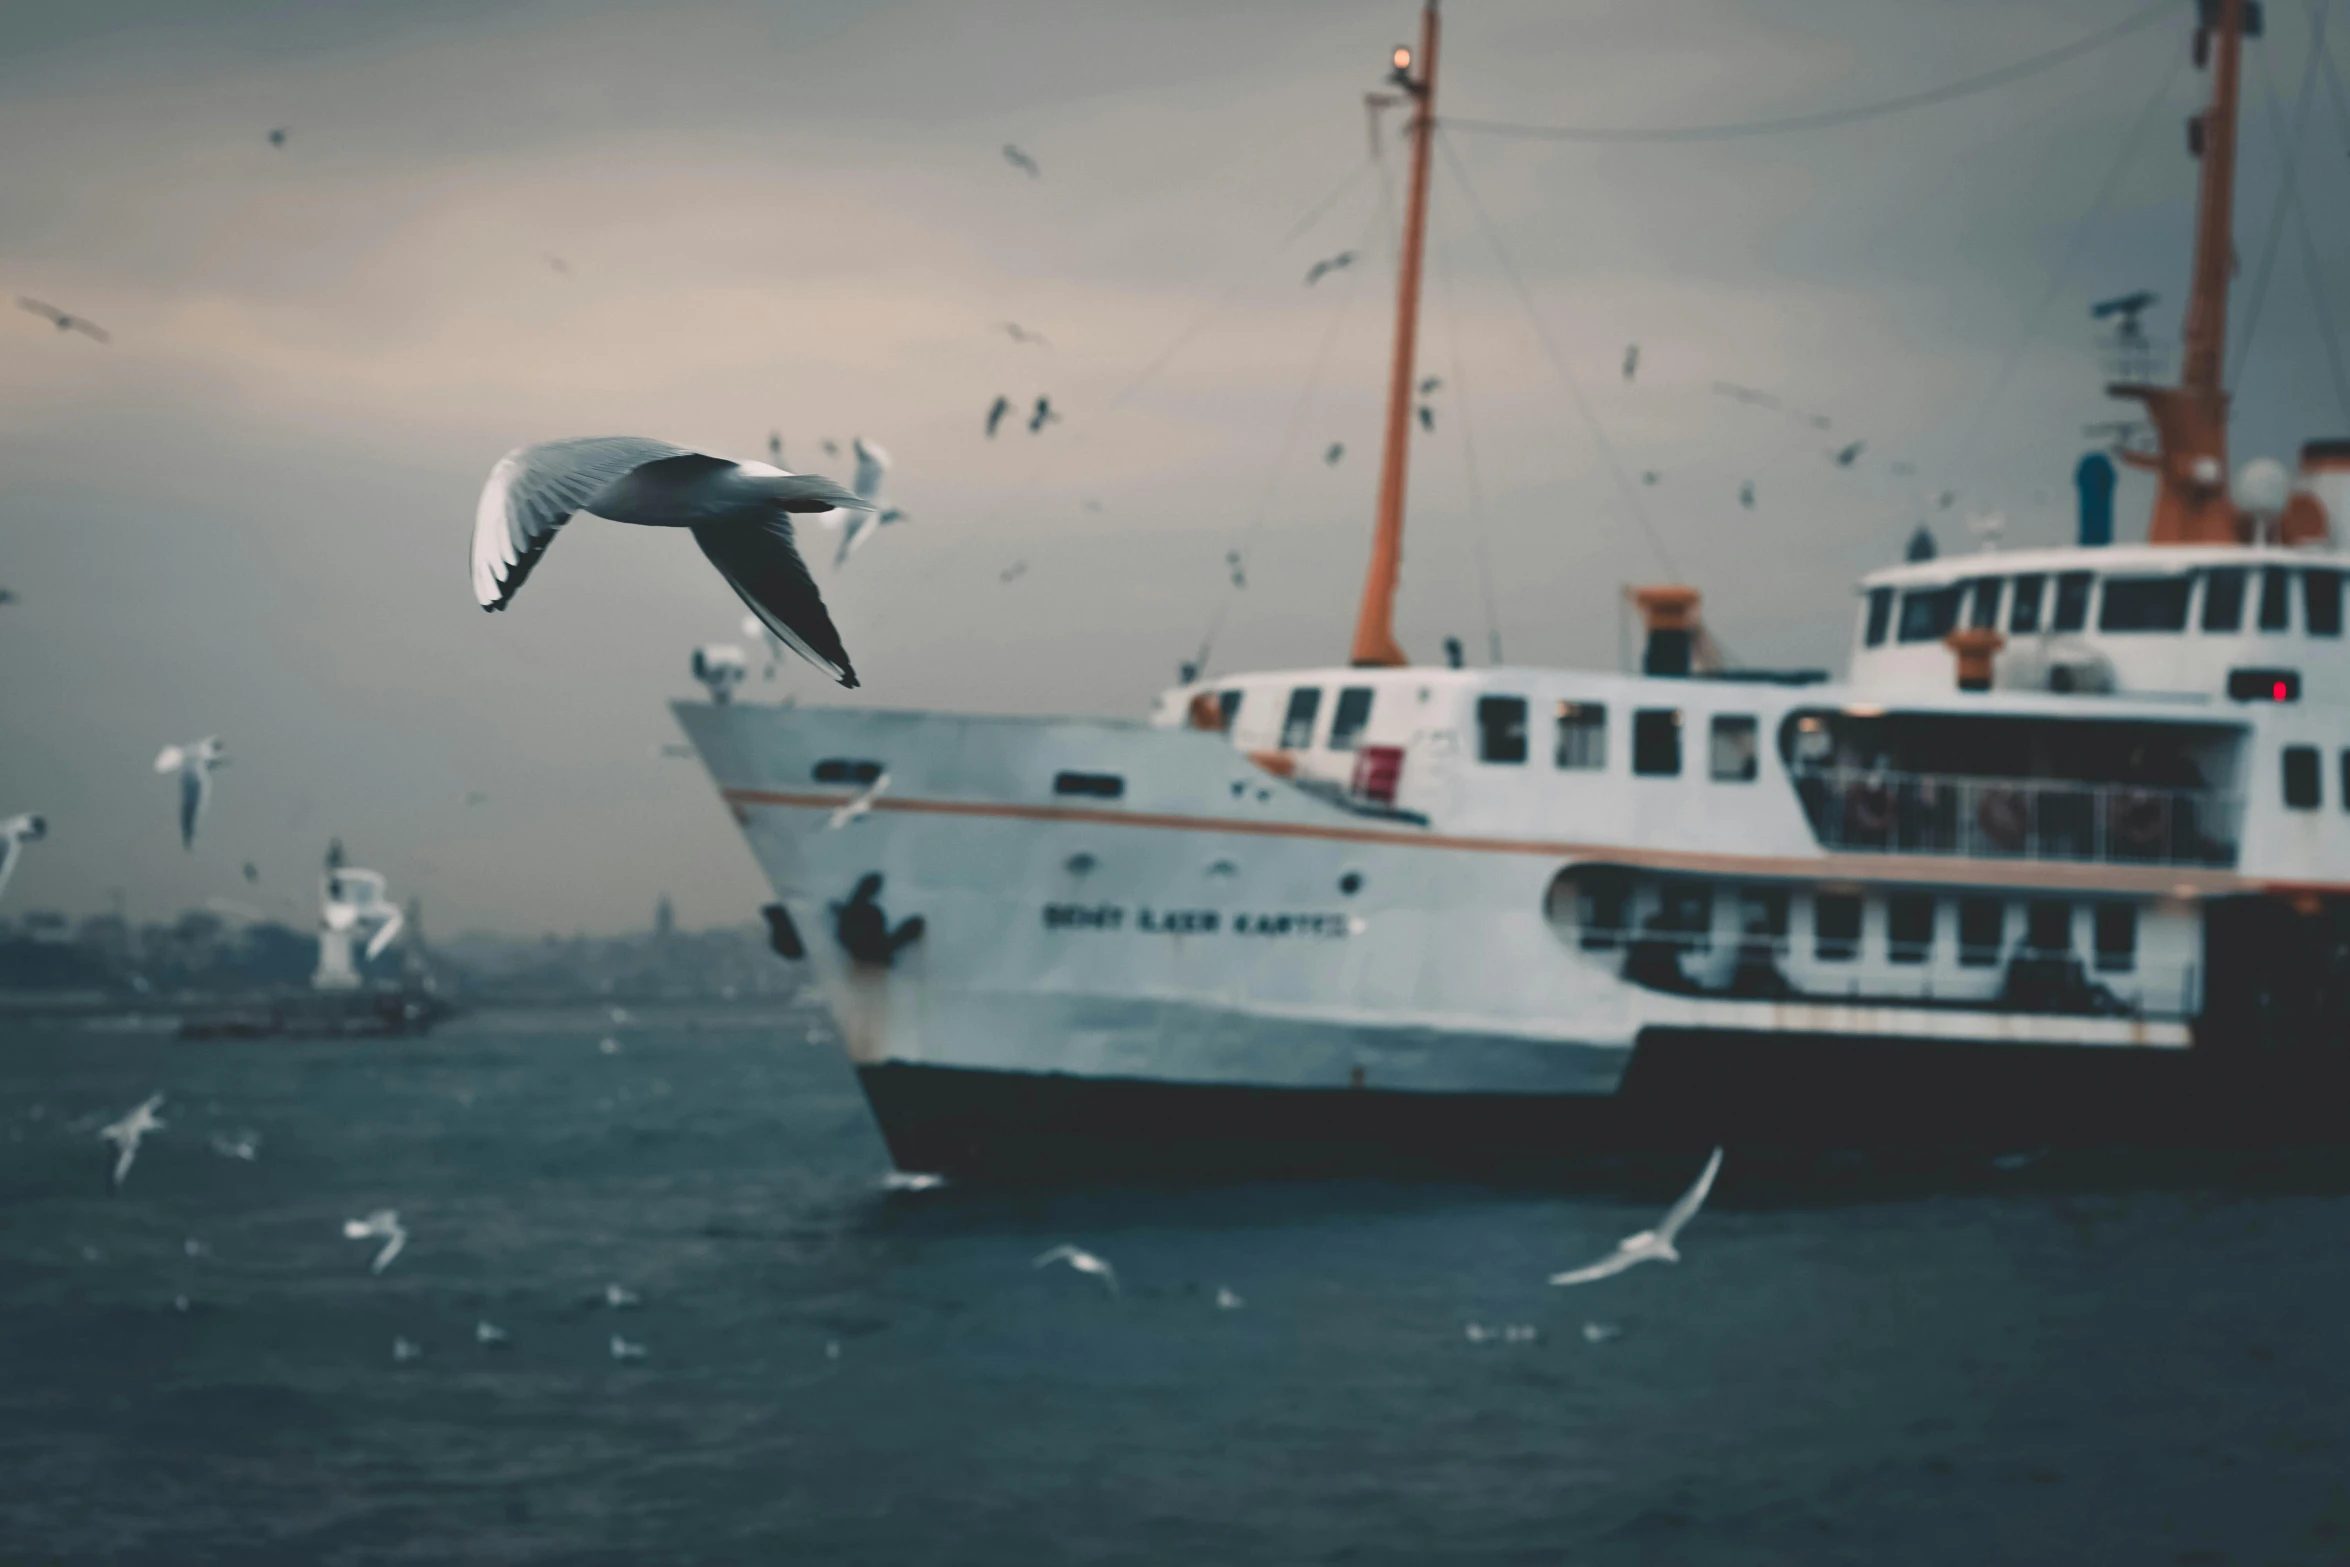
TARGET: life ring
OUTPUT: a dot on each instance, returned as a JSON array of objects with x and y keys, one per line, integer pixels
[
  {"x": 2004, "y": 818},
  {"x": 1868, "y": 807},
  {"x": 2139, "y": 821}
]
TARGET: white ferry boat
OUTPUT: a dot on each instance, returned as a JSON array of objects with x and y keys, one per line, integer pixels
[{"x": 2065, "y": 855}]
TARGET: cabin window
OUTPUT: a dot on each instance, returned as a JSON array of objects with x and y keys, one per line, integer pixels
[
  {"x": 1656, "y": 742},
  {"x": 1929, "y": 614},
  {"x": 1983, "y": 607},
  {"x": 1101, "y": 786},
  {"x": 1835, "y": 927},
  {"x": 1582, "y": 736},
  {"x": 1736, "y": 749},
  {"x": 1353, "y": 715},
  {"x": 1603, "y": 908},
  {"x": 2321, "y": 601},
  {"x": 1982, "y": 931},
  {"x": 2223, "y": 599},
  {"x": 1228, "y": 703},
  {"x": 1501, "y": 728},
  {"x": 2025, "y": 613},
  {"x": 2276, "y": 598},
  {"x": 2346, "y": 780},
  {"x": 2145, "y": 604},
  {"x": 2072, "y": 601},
  {"x": 846, "y": 769},
  {"x": 1909, "y": 927},
  {"x": 1880, "y": 615},
  {"x": 1762, "y": 914},
  {"x": 2304, "y": 790},
  {"x": 2117, "y": 937},
  {"x": 1686, "y": 910},
  {"x": 1297, "y": 725},
  {"x": 2048, "y": 925}
]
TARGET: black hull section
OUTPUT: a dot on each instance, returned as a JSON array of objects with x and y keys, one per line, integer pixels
[{"x": 1766, "y": 1094}]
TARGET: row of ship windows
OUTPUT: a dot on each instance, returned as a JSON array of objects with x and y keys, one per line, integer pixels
[
  {"x": 1504, "y": 733},
  {"x": 1912, "y": 920},
  {"x": 2129, "y": 604},
  {"x": 2304, "y": 775}
]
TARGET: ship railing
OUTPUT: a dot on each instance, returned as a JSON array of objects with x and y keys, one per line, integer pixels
[{"x": 1874, "y": 810}]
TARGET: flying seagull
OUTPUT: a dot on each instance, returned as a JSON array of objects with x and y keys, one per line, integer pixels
[
  {"x": 1430, "y": 385},
  {"x": 1650, "y": 476},
  {"x": 622, "y": 1349},
  {"x": 859, "y": 806},
  {"x": 1083, "y": 1261},
  {"x": 1021, "y": 161},
  {"x": 619, "y": 1298},
  {"x": 15, "y": 833},
  {"x": 125, "y": 1134},
  {"x": 995, "y": 414},
  {"x": 1043, "y": 415},
  {"x": 1427, "y": 418},
  {"x": 1650, "y": 1245},
  {"x": 194, "y": 763},
  {"x": 277, "y": 138},
  {"x": 1846, "y": 456},
  {"x": 1021, "y": 334},
  {"x": 64, "y": 322},
  {"x": 737, "y": 512},
  {"x": 1631, "y": 360},
  {"x": 1014, "y": 572},
  {"x": 245, "y": 1146},
  {"x": 486, "y": 1332},
  {"x": 775, "y": 447},
  {"x": 1745, "y": 394},
  {"x": 1239, "y": 571},
  {"x": 555, "y": 262},
  {"x": 1746, "y": 495},
  {"x": 384, "y": 1225},
  {"x": 1336, "y": 451},
  {"x": 860, "y": 524},
  {"x": 1328, "y": 265}
]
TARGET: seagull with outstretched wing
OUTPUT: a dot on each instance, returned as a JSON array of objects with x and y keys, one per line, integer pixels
[
  {"x": 15, "y": 833},
  {"x": 65, "y": 321},
  {"x": 1650, "y": 1245},
  {"x": 194, "y": 763},
  {"x": 739, "y": 513},
  {"x": 860, "y": 525}
]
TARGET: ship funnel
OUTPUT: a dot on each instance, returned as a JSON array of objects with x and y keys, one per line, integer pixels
[
  {"x": 1669, "y": 613},
  {"x": 2093, "y": 479}
]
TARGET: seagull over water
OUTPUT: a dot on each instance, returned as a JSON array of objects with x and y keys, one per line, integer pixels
[
  {"x": 1327, "y": 265},
  {"x": 384, "y": 1225},
  {"x": 995, "y": 413},
  {"x": 65, "y": 322},
  {"x": 194, "y": 763},
  {"x": 15, "y": 833},
  {"x": 1650, "y": 1245},
  {"x": 737, "y": 512},
  {"x": 1021, "y": 334},
  {"x": 1083, "y": 1261},
  {"x": 125, "y": 1134},
  {"x": 859, "y": 524},
  {"x": 1021, "y": 161}
]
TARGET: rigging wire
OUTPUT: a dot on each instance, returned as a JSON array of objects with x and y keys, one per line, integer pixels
[
  {"x": 1460, "y": 380},
  {"x": 1297, "y": 419},
  {"x": 1992, "y": 399},
  {"x": 1825, "y": 118},
  {"x": 2289, "y": 141},
  {"x": 2309, "y": 252},
  {"x": 1558, "y": 361}
]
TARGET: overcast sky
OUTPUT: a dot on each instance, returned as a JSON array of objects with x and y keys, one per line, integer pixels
[{"x": 249, "y": 515}]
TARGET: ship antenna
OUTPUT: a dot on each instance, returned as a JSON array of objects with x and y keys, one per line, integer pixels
[
  {"x": 2191, "y": 504},
  {"x": 1375, "y": 646}
]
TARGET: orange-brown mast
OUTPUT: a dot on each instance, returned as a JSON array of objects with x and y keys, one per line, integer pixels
[
  {"x": 1375, "y": 644},
  {"x": 2191, "y": 505}
]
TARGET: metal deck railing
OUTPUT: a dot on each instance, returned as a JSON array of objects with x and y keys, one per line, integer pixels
[{"x": 1871, "y": 810}]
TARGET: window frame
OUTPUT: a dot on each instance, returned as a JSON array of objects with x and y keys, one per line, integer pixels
[
  {"x": 1726, "y": 724},
  {"x": 2023, "y": 608},
  {"x": 2070, "y": 609},
  {"x": 1838, "y": 948},
  {"x": 2313, "y": 624},
  {"x": 2299, "y": 765},
  {"x": 1346, "y": 736},
  {"x": 2111, "y": 957},
  {"x": 2276, "y": 600},
  {"x": 1899, "y": 907},
  {"x": 1986, "y": 597},
  {"x": 1974, "y": 953},
  {"x": 1490, "y": 704},
  {"x": 1944, "y": 604},
  {"x": 1877, "y": 619},
  {"x": 1587, "y": 722},
  {"x": 1645, "y": 725},
  {"x": 1309, "y": 699},
  {"x": 2140, "y": 592},
  {"x": 2234, "y": 576}
]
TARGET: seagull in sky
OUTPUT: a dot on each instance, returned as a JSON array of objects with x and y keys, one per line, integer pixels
[
  {"x": 1014, "y": 572},
  {"x": 1650, "y": 476},
  {"x": 1336, "y": 451},
  {"x": 1746, "y": 495},
  {"x": 384, "y": 1225},
  {"x": 64, "y": 322},
  {"x": 858, "y": 524},
  {"x": 1631, "y": 360},
  {"x": 194, "y": 763},
  {"x": 1327, "y": 265},
  {"x": 1083, "y": 1261},
  {"x": 1430, "y": 385},
  {"x": 277, "y": 137},
  {"x": 1427, "y": 418},
  {"x": 1650, "y": 1245},
  {"x": 1846, "y": 456},
  {"x": 739, "y": 513},
  {"x": 1233, "y": 563},
  {"x": 1021, "y": 334},
  {"x": 859, "y": 806},
  {"x": 1745, "y": 394},
  {"x": 1021, "y": 161},
  {"x": 15, "y": 833},
  {"x": 125, "y": 1134},
  {"x": 995, "y": 414},
  {"x": 1043, "y": 415}
]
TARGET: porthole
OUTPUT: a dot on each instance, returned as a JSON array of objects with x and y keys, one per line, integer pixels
[{"x": 1351, "y": 883}]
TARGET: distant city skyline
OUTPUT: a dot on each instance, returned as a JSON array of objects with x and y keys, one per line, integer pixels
[{"x": 246, "y": 515}]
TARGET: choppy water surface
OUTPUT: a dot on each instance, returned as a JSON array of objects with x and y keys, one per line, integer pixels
[{"x": 2034, "y": 1369}]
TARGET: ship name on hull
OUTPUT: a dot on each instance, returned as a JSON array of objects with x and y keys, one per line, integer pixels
[{"x": 1194, "y": 922}]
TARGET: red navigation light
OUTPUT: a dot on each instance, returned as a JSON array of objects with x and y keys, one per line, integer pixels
[{"x": 2280, "y": 692}]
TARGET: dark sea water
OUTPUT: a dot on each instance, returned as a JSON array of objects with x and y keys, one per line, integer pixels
[{"x": 2046, "y": 1365}]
